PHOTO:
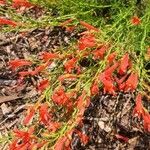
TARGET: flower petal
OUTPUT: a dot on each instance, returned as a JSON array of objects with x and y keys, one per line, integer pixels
[{"x": 88, "y": 26}]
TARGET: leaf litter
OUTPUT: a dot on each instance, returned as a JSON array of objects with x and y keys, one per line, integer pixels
[
  {"x": 21, "y": 46},
  {"x": 107, "y": 123}
]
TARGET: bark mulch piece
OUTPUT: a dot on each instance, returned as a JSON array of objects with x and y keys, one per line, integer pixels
[{"x": 105, "y": 119}]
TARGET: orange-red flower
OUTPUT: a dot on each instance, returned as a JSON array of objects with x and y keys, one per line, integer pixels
[
  {"x": 43, "y": 85},
  {"x": 87, "y": 41},
  {"x": 45, "y": 116},
  {"x": 60, "y": 144},
  {"x": 40, "y": 68},
  {"x": 135, "y": 20},
  {"x": 2, "y": 2},
  {"x": 25, "y": 73},
  {"x": 30, "y": 114},
  {"x": 146, "y": 121},
  {"x": 94, "y": 88},
  {"x": 25, "y": 137},
  {"x": 120, "y": 82},
  {"x": 80, "y": 100},
  {"x": 4, "y": 21},
  {"x": 111, "y": 57},
  {"x": 14, "y": 64},
  {"x": 46, "y": 56},
  {"x": 21, "y": 3},
  {"x": 70, "y": 28},
  {"x": 83, "y": 101},
  {"x": 99, "y": 52},
  {"x": 66, "y": 22},
  {"x": 108, "y": 86},
  {"x": 88, "y": 26},
  {"x": 70, "y": 64},
  {"x": 59, "y": 97},
  {"x": 53, "y": 126},
  {"x": 131, "y": 82},
  {"x": 122, "y": 86},
  {"x": 138, "y": 106},
  {"x": 37, "y": 70},
  {"x": 124, "y": 64},
  {"x": 109, "y": 71},
  {"x": 107, "y": 74}
]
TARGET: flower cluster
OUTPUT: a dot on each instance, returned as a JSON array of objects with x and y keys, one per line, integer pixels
[
  {"x": 70, "y": 101},
  {"x": 141, "y": 112}
]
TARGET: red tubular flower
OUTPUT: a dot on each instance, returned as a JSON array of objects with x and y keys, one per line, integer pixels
[
  {"x": 2, "y": 2},
  {"x": 99, "y": 52},
  {"x": 122, "y": 86},
  {"x": 107, "y": 80},
  {"x": 111, "y": 57},
  {"x": 138, "y": 106},
  {"x": 35, "y": 71},
  {"x": 53, "y": 126},
  {"x": 94, "y": 88},
  {"x": 4, "y": 21},
  {"x": 30, "y": 114},
  {"x": 70, "y": 28},
  {"x": 13, "y": 145},
  {"x": 21, "y": 3},
  {"x": 66, "y": 22},
  {"x": 60, "y": 144},
  {"x": 124, "y": 64},
  {"x": 121, "y": 83},
  {"x": 82, "y": 103},
  {"x": 146, "y": 121},
  {"x": 80, "y": 100},
  {"x": 87, "y": 41},
  {"x": 107, "y": 74},
  {"x": 43, "y": 85},
  {"x": 25, "y": 137},
  {"x": 109, "y": 71},
  {"x": 135, "y": 20},
  {"x": 14, "y": 64},
  {"x": 121, "y": 80},
  {"x": 108, "y": 86},
  {"x": 46, "y": 56},
  {"x": 59, "y": 97},
  {"x": 88, "y": 26},
  {"x": 44, "y": 115},
  {"x": 131, "y": 82},
  {"x": 40, "y": 68},
  {"x": 25, "y": 73},
  {"x": 70, "y": 64}
]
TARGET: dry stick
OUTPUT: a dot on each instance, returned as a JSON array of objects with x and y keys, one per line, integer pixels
[
  {"x": 9, "y": 40},
  {"x": 9, "y": 98}
]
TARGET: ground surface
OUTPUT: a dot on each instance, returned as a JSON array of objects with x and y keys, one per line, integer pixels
[
  {"x": 108, "y": 121},
  {"x": 105, "y": 117}
]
